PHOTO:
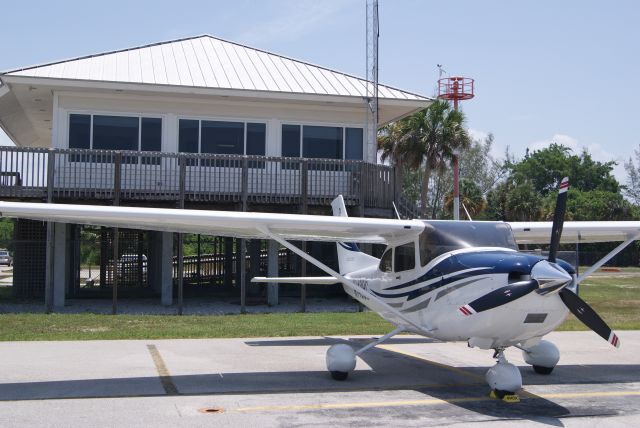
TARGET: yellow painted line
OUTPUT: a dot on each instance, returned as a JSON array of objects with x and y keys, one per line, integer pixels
[
  {"x": 423, "y": 402},
  {"x": 433, "y": 363},
  {"x": 591, "y": 394},
  {"x": 163, "y": 372}
]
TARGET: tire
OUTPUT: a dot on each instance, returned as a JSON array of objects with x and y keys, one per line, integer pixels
[
  {"x": 339, "y": 375},
  {"x": 500, "y": 393},
  {"x": 542, "y": 370}
]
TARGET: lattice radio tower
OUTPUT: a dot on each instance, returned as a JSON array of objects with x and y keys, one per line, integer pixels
[{"x": 373, "y": 33}]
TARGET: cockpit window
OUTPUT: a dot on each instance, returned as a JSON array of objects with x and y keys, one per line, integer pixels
[
  {"x": 385, "y": 261},
  {"x": 440, "y": 237},
  {"x": 405, "y": 257}
]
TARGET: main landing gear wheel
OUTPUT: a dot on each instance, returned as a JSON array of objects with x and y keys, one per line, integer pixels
[
  {"x": 504, "y": 379},
  {"x": 543, "y": 357},
  {"x": 341, "y": 360},
  {"x": 542, "y": 370}
]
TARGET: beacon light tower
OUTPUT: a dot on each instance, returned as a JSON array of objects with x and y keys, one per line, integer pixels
[{"x": 455, "y": 89}]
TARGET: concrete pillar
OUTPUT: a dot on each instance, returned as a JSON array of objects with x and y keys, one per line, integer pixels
[
  {"x": 272, "y": 269},
  {"x": 61, "y": 271},
  {"x": 166, "y": 267}
]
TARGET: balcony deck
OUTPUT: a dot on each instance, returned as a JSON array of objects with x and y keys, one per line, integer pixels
[{"x": 94, "y": 176}]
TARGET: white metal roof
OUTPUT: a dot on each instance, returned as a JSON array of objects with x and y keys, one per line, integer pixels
[{"x": 209, "y": 62}]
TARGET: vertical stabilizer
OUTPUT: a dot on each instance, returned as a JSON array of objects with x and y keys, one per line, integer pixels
[{"x": 350, "y": 258}]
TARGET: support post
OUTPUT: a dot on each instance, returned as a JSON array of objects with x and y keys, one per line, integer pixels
[
  {"x": 303, "y": 287},
  {"x": 166, "y": 270},
  {"x": 114, "y": 294},
  {"x": 117, "y": 187},
  {"x": 183, "y": 178},
  {"x": 228, "y": 261},
  {"x": 304, "y": 182},
  {"x": 272, "y": 289},
  {"x": 180, "y": 273},
  {"x": 242, "y": 274},
  {"x": 50, "y": 250}
]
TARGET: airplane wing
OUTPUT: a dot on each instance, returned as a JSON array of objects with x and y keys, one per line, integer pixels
[
  {"x": 575, "y": 231},
  {"x": 221, "y": 223}
]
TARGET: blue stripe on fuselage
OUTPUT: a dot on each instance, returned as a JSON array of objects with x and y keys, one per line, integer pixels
[
  {"x": 491, "y": 262},
  {"x": 351, "y": 246}
]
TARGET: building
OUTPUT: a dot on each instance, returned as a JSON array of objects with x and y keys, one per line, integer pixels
[{"x": 197, "y": 122}]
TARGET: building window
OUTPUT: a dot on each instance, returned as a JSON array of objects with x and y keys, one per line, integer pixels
[
  {"x": 323, "y": 142},
  {"x": 103, "y": 132},
  {"x": 353, "y": 143},
  {"x": 222, "y": 137}
]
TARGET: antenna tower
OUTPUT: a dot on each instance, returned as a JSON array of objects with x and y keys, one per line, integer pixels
[{"x": 373, "y": 33}]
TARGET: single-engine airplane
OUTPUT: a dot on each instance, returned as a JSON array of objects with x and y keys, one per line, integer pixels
[{"x": 448, "y": 280}]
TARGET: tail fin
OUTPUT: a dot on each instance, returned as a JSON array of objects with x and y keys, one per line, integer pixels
[{"x": 350, "y": 258}]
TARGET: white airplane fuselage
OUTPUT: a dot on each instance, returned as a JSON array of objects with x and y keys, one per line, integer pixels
[{"x": 432, "y": 296}]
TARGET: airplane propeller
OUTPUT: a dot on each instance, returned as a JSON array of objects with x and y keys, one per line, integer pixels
[{"x": 546, "y": 278}]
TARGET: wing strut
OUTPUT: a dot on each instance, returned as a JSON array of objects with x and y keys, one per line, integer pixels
[
  {"x": 381, "y": 339},
  {"x": 372, "y": 301},
  {"x": 606, "y": 258}
]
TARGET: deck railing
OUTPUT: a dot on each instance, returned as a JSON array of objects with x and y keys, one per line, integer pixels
[{"x": 151, "y": 176}]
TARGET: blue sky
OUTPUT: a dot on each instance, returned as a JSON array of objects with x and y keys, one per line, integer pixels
[{"x": 565, "y": 71}]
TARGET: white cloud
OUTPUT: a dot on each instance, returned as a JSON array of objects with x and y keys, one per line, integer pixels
[
  {"x": 597, "y": 152},
  {"x": 296, "y": 20}
]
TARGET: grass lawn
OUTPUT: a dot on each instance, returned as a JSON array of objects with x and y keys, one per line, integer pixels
[{"x": 617, "y": 300}]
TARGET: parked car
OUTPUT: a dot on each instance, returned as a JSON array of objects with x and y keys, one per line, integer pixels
[{"x": 5, "y": 258}]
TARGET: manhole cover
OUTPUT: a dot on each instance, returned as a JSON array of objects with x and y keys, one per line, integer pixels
[{"x": 212, "y": 410}]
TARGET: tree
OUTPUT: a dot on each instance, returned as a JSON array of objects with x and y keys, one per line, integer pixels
[
  {"x": 545, "y": 169},
  {"x": 529, "y": 192},
  {"x": 471, "y": 199},
  {"x": 426, "y": 139},
  {"x": 632, "y": 189}
]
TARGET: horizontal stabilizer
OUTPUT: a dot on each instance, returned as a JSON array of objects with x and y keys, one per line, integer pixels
[{"x": 298, "y": 279}]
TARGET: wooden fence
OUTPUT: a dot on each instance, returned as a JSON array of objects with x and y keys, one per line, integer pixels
[{"x": 151, "y": 176}]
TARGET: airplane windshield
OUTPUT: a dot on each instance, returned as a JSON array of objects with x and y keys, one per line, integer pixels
[{"x": 440, "y": 237}]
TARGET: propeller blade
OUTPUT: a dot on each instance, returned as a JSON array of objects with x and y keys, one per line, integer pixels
[
  {"x": 588, "y": 316},
  {"x": 558, "y": 218},
  {"x": 500, "y": 297}
]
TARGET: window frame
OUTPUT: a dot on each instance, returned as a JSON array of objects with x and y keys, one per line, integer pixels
[
  {"x": 244, "y": 122},
  {"x": 344, "y": 127},
  {"x": 91, "y": 115}
]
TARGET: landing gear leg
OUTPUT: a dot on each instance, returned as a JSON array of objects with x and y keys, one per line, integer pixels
[
  {"x": 504, "y": 379},
  {"x": 341, "y": 358}
]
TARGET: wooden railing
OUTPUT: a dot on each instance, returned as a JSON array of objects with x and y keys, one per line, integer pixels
[{"x": 150, "y": 176}]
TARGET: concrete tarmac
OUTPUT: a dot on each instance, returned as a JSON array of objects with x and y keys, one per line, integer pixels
[{"x": 408, "y": 381}]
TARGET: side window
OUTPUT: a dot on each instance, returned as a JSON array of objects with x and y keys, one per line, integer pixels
[
  {"x": 385, "y": 261},
  {"x": 405, "y": 257}
]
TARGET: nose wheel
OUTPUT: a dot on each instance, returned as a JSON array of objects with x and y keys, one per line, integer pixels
[{"x": 504, "y": 379}]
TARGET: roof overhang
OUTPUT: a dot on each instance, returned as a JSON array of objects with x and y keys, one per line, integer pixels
[{"x": 26, "y": 102}]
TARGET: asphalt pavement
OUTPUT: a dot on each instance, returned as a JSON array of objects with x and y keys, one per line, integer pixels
[{"x": 408, "y": 381}]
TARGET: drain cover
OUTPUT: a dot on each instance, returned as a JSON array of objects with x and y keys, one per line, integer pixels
[{"x": 211, "y": 410}]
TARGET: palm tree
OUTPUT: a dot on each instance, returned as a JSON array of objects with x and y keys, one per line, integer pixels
[
  {"x": 470, "y": 197},
  {"x": 427, "y": 138}
]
